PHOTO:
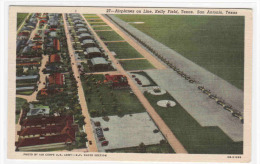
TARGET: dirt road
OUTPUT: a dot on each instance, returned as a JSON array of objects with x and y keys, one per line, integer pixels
[
  {"x": 172, "y": 140},
  {"x": 82, "y": 100}
]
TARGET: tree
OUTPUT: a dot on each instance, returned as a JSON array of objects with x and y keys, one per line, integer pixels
[
  {"x": 142, "y": 148},
  {"x": 81, "y": 120}
]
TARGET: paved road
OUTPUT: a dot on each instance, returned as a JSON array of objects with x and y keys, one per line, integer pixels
[
  {"x": 135, "y": 45},
  {"x": 82, "y": 100},
  {"x": 172, "y": 140}
]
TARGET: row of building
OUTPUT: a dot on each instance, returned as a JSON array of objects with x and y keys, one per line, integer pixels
[
  {"x": 27, "y": 54},
  {"x": 92, "y": 51}
]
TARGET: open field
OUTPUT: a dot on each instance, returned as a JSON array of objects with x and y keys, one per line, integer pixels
[
  {"x": 141, "y": 64},
  {"x": 104, "y": 101},
  {"x": 213, "y": 42},
  {"x": 20, "y": 18},
  {"x": 109, "y": 36},
  {"x": 195, "y": 138},
  {"x": 101, "y": 28},
  {"x": 96, "y": 23},
  {"x": 123, "y": 50}
]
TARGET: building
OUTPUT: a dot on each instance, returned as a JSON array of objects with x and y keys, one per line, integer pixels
[
  {"x": 99, "y": 64},
  {"x": 116, "y": 81},
  {"x": 78, "y": 22},
  {"x": 38, "y": 111},
  {"x": 81, "y": 30},
  {"x": 53, "y": 34},
  {"x": 77, "y": 26},
  {"x": 30, "y": 78},
  {"x": 56, "y": 44},
  {"x": 53, "y": 22},
  {"x": 83, "y": 36},
  {"x": 39, "y": 133},
  {"x": 93, "y": 52},
  {"x": 56, "y": 79},
  {"x": 88, "y": 43},
  {"x": 54, "y": 58},
  {"x": 25, "y": 88}
]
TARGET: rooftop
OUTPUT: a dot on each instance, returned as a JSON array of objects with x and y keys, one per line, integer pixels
[
  {"x": 92, "y": 50},
  {"x": 27, "y": 77},
  {"x": 99, "y": 60}
]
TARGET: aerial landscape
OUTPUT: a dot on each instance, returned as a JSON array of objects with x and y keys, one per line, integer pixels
[{"x": 129, "y": 83}]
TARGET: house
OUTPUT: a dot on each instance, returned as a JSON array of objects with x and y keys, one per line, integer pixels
[
  {"x": 53, "y": 23},
  {"x": 38, "y": 111},
  {"x": 37, "y": 47},
  {"x": 88, "y": 43},
  {"x": 93, "y": 52},
  {"x": 78, "y": 22},
  {"x": 116, "y": 81},
  {"x": 56, "y": 44},
  {"x": 34, "y": 63},
  {"x": 81, "y": 30},
  {"x": 38, "y": 133},
  {"x": 25, "y": 88},
  {"x": 99, "y": 64},
  {"x": 30, "y": 78},
  {"x": 76, "y": 18},
  {"x": 77, "y": 26},
  {"x": 54, "y": 58},
  {"x": 53, "y": 34},
  {"x": 83, "y": 36},
  {"x": 56, "y": 79}
]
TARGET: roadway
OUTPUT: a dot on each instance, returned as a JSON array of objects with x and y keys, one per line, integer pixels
[{"x": 82, "y": 100}]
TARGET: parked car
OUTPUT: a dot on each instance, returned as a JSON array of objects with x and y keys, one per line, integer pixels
[
  {"x": 101, "y": 139},
  {"x": 104, "y": 143}
]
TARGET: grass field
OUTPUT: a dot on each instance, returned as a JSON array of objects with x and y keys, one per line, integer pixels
[
  {"x": 109, "y": 36},
  {"x": 213, "y": 42},
  {"x": 96, "y": 23},
  {"x": 105, "y": 101},
  {"x": 28, "y": 92},
  {"x": 94, "y": 20},
  {"x": 195, "y": 138},
  {"x": 141, "y": 64},
  {"x": 163, "y": 148},
  {"x": 20, "y": 18},
  {"x": 123, "y": 50},
  {"x": 101, "y": 27},
  {"x": 90, "y": 16},
  {"x": 18, "y": 105}
]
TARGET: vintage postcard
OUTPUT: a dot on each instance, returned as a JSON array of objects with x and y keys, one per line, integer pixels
[{"x": 129, "y": 84}]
